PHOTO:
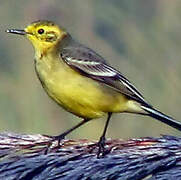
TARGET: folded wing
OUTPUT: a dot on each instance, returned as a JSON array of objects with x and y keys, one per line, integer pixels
[{"x": 90, "y": 64}]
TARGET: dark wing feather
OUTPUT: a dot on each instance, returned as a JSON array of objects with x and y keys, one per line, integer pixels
[{"x": 90, "y": 64}]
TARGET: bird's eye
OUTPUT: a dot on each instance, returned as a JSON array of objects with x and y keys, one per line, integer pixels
[{"x": 41, "y": 31}]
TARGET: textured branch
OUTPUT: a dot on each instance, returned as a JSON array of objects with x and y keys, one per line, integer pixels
[{"x": 23, "y": 157}]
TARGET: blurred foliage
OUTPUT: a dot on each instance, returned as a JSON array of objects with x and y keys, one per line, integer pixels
[{"x": 140, "y": 38}]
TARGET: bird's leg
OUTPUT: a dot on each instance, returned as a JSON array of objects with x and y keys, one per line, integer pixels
[
  {"x": 101, "y": 143},
  {"x": 62, "y": 136}
]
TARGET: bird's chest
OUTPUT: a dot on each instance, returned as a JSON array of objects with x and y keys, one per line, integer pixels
[
  {"x": 68, "y": 88},
  {"x": 56, "y": 80}
]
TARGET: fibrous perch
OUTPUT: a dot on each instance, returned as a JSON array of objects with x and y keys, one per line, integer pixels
[{"x": 23, "y": 157}]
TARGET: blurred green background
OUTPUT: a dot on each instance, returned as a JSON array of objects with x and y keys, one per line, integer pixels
[{"x": 140, "y": 38}]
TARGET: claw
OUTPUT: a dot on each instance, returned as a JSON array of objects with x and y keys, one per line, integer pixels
[
  {"x": 54, "y": 138},
  {"x": 101, "y": 145}
]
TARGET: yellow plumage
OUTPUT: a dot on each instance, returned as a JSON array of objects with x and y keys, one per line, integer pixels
[{"x": 78, "y": 94}]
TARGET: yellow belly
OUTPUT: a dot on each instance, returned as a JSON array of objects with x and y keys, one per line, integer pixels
[{"x": 78, "y": 94}]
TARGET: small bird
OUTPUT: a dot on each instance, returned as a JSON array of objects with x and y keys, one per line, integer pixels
[{"x": 81, "y": 81}]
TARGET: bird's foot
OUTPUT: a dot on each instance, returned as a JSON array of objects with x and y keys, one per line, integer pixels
[
  {"x": 54, "y": 138},
  {"x": 101, "y": 145}
]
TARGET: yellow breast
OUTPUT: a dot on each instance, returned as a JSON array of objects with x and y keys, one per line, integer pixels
[{"x": 76, "y": 93}]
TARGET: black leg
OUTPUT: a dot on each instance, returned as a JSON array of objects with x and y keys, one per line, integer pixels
[
  {"x": 62, "y": 136},
  {"x": 101, "y": 143}
]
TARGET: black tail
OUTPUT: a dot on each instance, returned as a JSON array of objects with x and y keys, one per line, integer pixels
[{"x": 162, "y": 117}]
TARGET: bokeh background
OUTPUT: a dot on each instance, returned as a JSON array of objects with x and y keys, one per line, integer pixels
[{"x": 140, "y": 38}]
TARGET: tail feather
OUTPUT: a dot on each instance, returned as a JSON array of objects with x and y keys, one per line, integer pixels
[{"x": 162, "y": 117}]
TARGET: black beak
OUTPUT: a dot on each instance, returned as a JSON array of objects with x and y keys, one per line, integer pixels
[{"x": 16, "y": 31}]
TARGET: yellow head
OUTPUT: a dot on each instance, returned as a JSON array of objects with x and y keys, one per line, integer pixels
[{"x": 43, "y": 34}]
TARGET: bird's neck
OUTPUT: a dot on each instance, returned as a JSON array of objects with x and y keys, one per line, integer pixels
[{"x": 47, "y": 49}]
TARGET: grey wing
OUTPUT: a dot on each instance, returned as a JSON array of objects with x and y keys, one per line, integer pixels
[{"x": 92, "y": 65}]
